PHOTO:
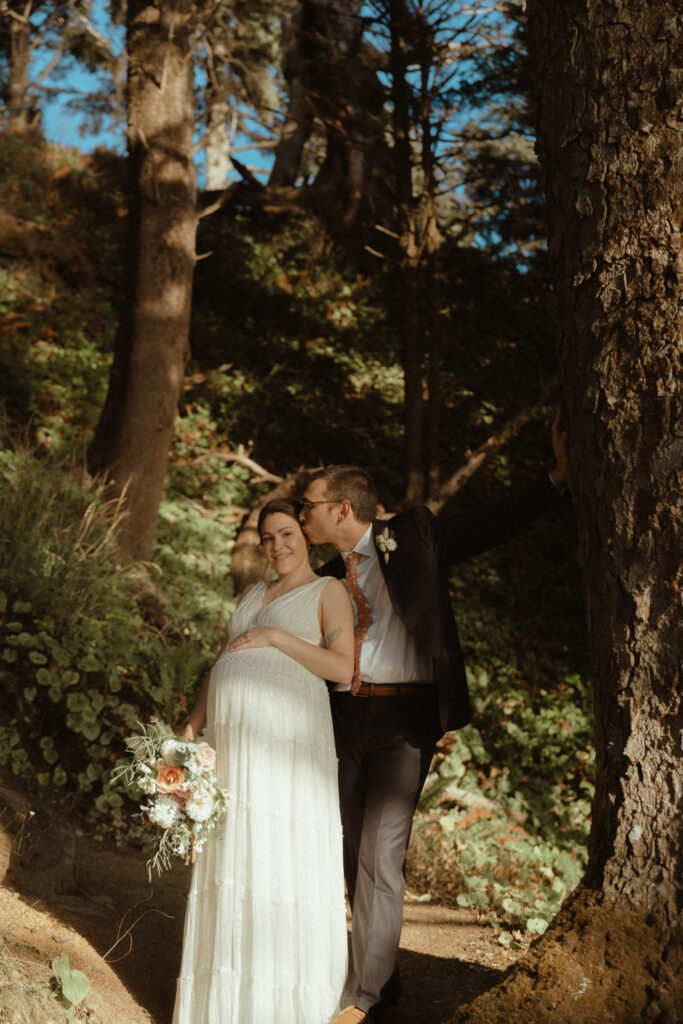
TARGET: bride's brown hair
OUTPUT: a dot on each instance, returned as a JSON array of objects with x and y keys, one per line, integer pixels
[{"x": 286, "y": 506}]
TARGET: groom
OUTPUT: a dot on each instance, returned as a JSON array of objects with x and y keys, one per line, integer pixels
[{"x": 408, "y": 689}]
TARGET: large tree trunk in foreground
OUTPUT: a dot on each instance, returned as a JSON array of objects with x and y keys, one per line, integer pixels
[
  {"x": 136, "y": 427},
  {"x": 610, "y": 138}
]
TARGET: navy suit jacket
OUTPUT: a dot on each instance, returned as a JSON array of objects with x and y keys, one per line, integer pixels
[{"x": 416, "y": 574}]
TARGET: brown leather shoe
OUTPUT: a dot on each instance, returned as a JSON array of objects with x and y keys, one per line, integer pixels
[{"x": 353, "y": 1015}]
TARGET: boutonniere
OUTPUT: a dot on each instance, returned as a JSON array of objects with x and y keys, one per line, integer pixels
[{"x": 386, "y": 542}]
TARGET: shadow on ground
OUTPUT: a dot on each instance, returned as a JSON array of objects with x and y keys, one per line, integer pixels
[{"x": 104, "y": 894}]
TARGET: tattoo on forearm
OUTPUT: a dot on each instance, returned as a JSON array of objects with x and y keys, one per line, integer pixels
[{"x": 331, "y": 637}]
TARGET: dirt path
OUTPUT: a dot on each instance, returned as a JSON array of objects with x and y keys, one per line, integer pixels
[{"x": 447, "y": 956}]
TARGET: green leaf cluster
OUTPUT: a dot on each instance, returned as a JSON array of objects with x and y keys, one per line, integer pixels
[
  {"x": 57, "y": 297},
  {"x": 79, "y": 662},
  {"x": 71, "y": 984},
  {"x": 528, "y": 751},
  {"x": 483, "y": 859}
]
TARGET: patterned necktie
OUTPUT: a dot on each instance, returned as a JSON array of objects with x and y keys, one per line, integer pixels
[{"x": 363, "y": 613}]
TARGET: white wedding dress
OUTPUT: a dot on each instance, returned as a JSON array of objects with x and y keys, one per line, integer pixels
[{"x": 265, "y": 930}]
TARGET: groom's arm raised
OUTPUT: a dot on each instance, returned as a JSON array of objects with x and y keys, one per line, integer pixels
[{"x": 458, "y": 537}]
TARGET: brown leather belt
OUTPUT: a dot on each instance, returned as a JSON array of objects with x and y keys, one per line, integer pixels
[{"x": 396, "y": 690}]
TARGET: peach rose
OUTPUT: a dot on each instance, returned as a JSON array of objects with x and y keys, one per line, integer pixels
[
  {"x": 170, "y": 778},
  {"x": 205, "y": 758}
]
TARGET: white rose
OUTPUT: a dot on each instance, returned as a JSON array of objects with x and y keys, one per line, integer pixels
[
  {"x": 164, "y": 811},
  {"x": 200, "y": 806}
]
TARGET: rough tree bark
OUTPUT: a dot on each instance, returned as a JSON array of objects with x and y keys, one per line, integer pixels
[
  {"x": 134, "y": 433},
  {"x": 610, "y": 138},
  {"x": 19, "y": 26},
  {"x": 217, "y": 143}
]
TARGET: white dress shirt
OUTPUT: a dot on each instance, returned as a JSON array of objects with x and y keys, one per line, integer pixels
[{"x": 389, "y": 653}]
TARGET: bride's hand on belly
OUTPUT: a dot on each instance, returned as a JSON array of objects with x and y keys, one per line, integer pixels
[{"x": 261, "y": 636}]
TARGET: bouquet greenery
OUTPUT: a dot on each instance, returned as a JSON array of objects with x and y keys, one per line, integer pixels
[{"x": 185, "y": 801}]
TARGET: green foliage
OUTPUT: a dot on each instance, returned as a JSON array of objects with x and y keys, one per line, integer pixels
[
  {"x": 517, "y": 878},
  {"x": 522, "y": 853},
  {"x": 206, "y": 499},
  {"x": 309, "y": 361},
  {"x": 295, "y": 361},
  {"x": 56, "y": 319},
  {"x": 80, "y": 664},
  {"x": 52, "y": 368},
  {"x": 71, "y": 984},
  {"x": 529, "y": 748}
]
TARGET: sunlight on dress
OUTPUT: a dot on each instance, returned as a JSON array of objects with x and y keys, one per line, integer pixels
[{"x": 265, "y": 931}]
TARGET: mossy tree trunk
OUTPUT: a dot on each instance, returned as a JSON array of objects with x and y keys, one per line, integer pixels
[
  {"x": 135, "y": 430},
  {"x": 610, "y": 139}
]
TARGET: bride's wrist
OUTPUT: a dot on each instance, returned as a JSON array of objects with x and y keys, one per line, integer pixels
[{"x": 277, "y": 637}]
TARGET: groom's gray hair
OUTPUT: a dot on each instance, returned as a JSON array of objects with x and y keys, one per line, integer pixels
[{"x": 352, "y": 484}]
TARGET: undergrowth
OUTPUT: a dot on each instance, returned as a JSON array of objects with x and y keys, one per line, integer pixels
[
  {"x": 79, "y": 662},
  {"x": 294, "y": 356},
  {"x": 25, "y": 996},
  {"x": 505, "y": 813}
]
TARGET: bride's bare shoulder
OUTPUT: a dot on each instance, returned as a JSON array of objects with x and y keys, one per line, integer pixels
[{"x": 247, "y": 590}]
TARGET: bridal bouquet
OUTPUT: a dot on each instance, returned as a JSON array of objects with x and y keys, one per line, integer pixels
[{"x": 185, "y": 802}]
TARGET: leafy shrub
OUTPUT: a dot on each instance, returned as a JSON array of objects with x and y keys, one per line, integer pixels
[
  {"x": 519, "y": 853},
  {"x": 205, "y": 500},
  {"x": 516, "y": 853},
  {"x": 480, "y": 858},
  {"x": 53, "y": 370},
  {"x": 80, "y": 665}
]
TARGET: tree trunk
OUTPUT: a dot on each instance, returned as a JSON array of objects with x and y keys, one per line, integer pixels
[
  {"x": 217, "y": 143},
  {"x": 298, "y": 121},
  {"x": 610, "y": 138},
  {"x": 20, "y": 57},
  {"x": 409, "y": 269},
  {"x": 134, "y": 433},
  {"x": 329, "y": 83}
]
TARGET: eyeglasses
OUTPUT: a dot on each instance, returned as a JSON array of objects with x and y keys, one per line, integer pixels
[{"x": 306, "y": 506}]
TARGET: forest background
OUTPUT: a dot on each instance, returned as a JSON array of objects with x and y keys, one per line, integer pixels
[{"x": 376, "y": 291}]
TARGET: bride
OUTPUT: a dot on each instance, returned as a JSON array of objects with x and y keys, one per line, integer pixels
[{"x": 265, "y": 930}]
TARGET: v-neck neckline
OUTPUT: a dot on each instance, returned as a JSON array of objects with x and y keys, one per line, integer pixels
[{"x": 262, "y": 606}]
